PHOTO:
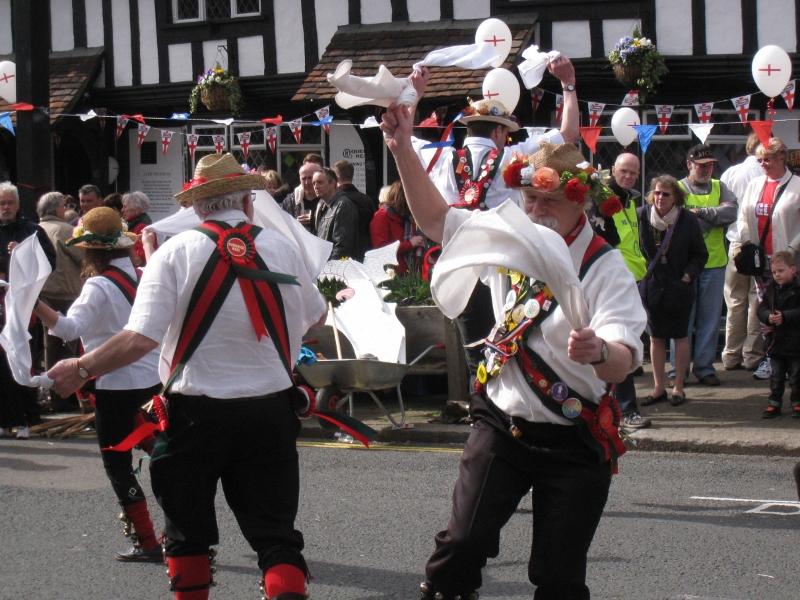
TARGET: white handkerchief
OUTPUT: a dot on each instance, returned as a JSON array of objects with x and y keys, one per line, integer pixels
[
  {"x": 469, "y": 56},
  {"x": 532, "y": 68},
  {"x": 381, "y": 89}
]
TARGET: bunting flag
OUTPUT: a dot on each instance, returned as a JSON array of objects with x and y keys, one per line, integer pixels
[
  {"x": 664, "y": 114},
  {"x": 6, "y": 123},
  {"x": 703, "y": 111},
  {"x": 166, "y": 138},
  {"x": 272, "y": 138},
  {"x": 559, "y": 108},
  {"x": 244, "y": 142},
  {"x": 432, "y": 121},
  {"x": 645, "y": 135},
  {"x": 631, "y": 98},
  {"x": 589, "y": 136},
  {"x": 22, "y": 107},
  {"x": 763, "y": 129},
  {"x": 701, "y": 130},
  {"x": 141, "y": 132},
  {"x": 180, "y": 116},
  {"x": 742, "y": 105},
  {"x": 225, "y": 122},
  {"x": 122, "y": 122},
  {"x": 273, "y": 120},
  {"x": 137, "y": 117},
  {"x": 788, "y": 95},
  {"x": 296, "y": 127},
  {"x": 324, "y": 115},
  {"x": 370, "y": 122},
  {"x": 191, "y": 143},
  {"x": 219, "y": 142},
  {"x": 89, "y": 115},
  {"x": 536, "y": 98},
  {"x": 595, "y": 112}
]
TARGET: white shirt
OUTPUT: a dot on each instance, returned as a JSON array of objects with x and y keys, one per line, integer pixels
[
  {"x": 736, "y": 178},
  {"x": 230, "y": 362},
  {"x": 615, "y": 314},
  {"x": 785, "y": 225},
  {"x": 443, "y": 175},
  {"x": 98, "y": 313}
]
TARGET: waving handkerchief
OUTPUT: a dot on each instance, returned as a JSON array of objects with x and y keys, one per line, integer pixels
[
  {"x": 532, "y": 68},
  {"x": 381, "y": 89},
  {"x": 506, "y": 237},
  {"x": 491, "y": 48}
]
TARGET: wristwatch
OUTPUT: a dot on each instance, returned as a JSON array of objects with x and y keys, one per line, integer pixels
[
  {"x": 603, "y": 354},
  {"x": 82, "y": 372},
  {"x": 568, "y": 88}
]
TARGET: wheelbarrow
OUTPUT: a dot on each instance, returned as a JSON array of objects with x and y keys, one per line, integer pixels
[{"x": 336, "y": 380}]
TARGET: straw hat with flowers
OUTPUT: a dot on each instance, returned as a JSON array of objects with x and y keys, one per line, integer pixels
[
  {"x": 101, "y": 228},
  {"x": 561, "y": 169},
  {"x": 215, "y": 175},
  {"x": 489, "y": 110}
]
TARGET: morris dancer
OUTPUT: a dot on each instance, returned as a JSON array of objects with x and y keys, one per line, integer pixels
[
  {"x": 100, "y": 311},
  {"x": 231, "y": 302},
  {"x": 546, "y": 418}
]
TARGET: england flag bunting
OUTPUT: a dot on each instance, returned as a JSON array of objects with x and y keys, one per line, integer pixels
[
  {"x": 219, "y": 142},
  {"x": 788, "y": 95},
  {"x": 741, "y": 104},
  {"x": 559, "y": 108},
  {"x": 536, "y": 98},
  {"x": 631, "y": 98},
  {"x": 664, "y": 114},
  {"x": 122, "y": 122},
  {"x": 166, "y": 138},
  {"x": 703, "y": 111},
  {"x": 272, "y": 138},
  {"x": 141, "y": 132},
  {"x": 595, "y": 112},
  {"x": 191, "y": 143},
  {"x": 244, "y": 142},
  {"x": 322, "y": 113},
  {"x": 296, "y": 127}
]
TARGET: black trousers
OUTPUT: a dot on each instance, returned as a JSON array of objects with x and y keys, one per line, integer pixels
[
  {"x": 115, "y": 413},
  {"x": 475, "y": 323},
  {"x": 496, "y": 471},
  {"x": 781, "y": 366},
  {"x": 18, "y": 403},
  {"x": 250, "y": 445}
]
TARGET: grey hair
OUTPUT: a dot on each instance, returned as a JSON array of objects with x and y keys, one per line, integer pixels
[
  {"x": 138, "y": 200},
  {"x": 49, "y": 203},
  {"x": 8, "y": 187},
  {"x": 232, "y": 200}
]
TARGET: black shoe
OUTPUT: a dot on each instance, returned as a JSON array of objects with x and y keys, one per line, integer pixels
[
  {"x": 677, "y": 399},
  {"x": 711, "y": 380},
  {"x": 653, "y": 399},
  {"x": 140, "y": 555}
]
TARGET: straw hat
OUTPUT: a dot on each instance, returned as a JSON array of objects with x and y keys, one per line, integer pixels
[
  {"x": 215, "y": 175},
  {"x": 101, "y": 228},
  {"x": 489, "y": 110}
]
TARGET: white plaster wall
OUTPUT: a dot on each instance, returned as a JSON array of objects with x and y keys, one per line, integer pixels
[
  {"x": 5, "y": 27},
  {"x": 94, "y": 23},
  {"x": 180, "y": 62},
  {"x": 148, "y": 41},
  {"x": 121, "y": 23},
  {"x": 787, "y": 130},
  {"x": 776, "y": 23},
  {"x": 423, "y": 10},
  {"x": 674, "y": 27},
  {"x": 61, "y": 27},
  {"x": 251, "y": 55},
  {"x": 614, "y": 29},
  {"x": 330, "y": 14},
  {"x": 470, "y": 9},
  {"x": 572, "y": 38},
  {"x": 289, "y": 37},
  {"x": 723, "y": 27},
  {"x": 376, "y": 11},
  {"x": 211, "y": 56}
]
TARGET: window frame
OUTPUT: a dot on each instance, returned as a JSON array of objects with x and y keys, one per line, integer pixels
[{"x": 203, "y": 18}]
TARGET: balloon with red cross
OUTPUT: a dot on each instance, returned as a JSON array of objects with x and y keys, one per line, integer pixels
[
  {"x": 495, "y": 33},
  {"x": 623, "y": 125},
  {"x": 8, "y": 81},
  {"x": 772, "y": 69},
  {"x": 502, "y": 85}
]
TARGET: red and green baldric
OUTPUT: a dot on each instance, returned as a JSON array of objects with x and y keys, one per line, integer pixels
[{"x": 474, "y": 186}]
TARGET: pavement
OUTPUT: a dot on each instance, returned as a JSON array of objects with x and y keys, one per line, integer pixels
[{"x": 724, "y": 419}]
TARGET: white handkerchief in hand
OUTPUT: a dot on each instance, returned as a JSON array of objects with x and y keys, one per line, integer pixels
[
  {"x": 532, "y": 68},
  {"x": 470, "y": 56},
  {"x": 381, "y": 89}
]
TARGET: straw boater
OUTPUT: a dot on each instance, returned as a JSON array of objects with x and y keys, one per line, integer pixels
[
  {"x": 545, "y": 417},
  {"x": 100, "y": 311},
  {"x": 231, "y": 302}
]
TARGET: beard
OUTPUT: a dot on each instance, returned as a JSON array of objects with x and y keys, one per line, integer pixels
[{"x": 549, "y": 222}]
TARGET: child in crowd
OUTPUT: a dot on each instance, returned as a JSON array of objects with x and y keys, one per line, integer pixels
[{"x": 779, "y": 310}]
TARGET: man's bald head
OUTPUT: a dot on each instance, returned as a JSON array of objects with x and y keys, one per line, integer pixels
[
  {"x": 626, "y": 170},
  {"x": 306, "y": 173}
]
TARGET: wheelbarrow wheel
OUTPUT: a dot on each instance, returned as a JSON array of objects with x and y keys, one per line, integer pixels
[{"x": 328, "y": 398}]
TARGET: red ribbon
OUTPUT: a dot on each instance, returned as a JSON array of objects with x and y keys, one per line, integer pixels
[{"x": 195, "y": 181}]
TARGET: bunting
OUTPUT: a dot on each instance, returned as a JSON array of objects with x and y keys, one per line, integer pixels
[
  {"x": 559, "y": 108},
  {"x": 645, "y": 133},
  {"x": 631, "y": 99},
  {"x": 323, "y": 114},
  {"x": 742, "y": 105},
  {"x": 589, "y": 136},
  {"x": 296, "y": 127},
  {"x": 763, "y": 129},
  {"x": 432, "y": 121},
  {"x": 141, "y": 132},
  {"x": 664, "y": 114},
  {"x": 6, "y": 123},
  {"x": 703, "y": 111},
  {"x": 219, "y": 143},
  {"x": 122, "y": 122},
  {"x": 191, "y": 143},
  {"x": 244, "y": 143},
  {"x": 272, "y": 138},
  {"x": 166, "y": 138},
  {"x": 701, "y": 130},
  {"x": 536, "y": 98},
  {"x": 788, "y": 95},
  {"x": 595, "y": 112}
]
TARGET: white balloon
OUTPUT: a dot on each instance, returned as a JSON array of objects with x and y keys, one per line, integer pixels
[
  {"x": 8, "y": 81},
  {"x": 772, "y": 69},
  {"x": 502, "y": 85},
  {"x": 621, "y": 125},
  {"x": 495, "y": 33}
]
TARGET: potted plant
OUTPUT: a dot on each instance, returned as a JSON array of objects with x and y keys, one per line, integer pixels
[
  {"x": 637, "y": 64},
  {"x": 218, "y": 91}
]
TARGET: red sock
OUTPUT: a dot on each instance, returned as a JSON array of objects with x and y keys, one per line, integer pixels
[
  {"x": 188, "y": 572},
  {"x": 142, "y": 524},
  {"x": 284, "y": 578}
]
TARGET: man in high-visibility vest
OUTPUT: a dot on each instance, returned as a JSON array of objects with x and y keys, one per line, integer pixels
[{"x": 715, "y": 207}]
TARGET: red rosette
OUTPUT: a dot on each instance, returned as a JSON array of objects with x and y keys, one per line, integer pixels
[
  {"x": 236, "y": 247},
  {"x": 610, "y": 206},
  {"x": 575, "y": 191},
  {"x": 512, "y": 174}
]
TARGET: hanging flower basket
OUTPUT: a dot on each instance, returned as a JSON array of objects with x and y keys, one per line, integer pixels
[
  {"x": 628, "y": 75},
  {"x": 215, "y": 98},
  {"x": 218, "y": 91},
  {"x": 637, "y": 64}
]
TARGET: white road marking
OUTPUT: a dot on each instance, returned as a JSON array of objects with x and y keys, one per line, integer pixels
[
  {"x": 764, "y": 507},
  {"x": 748, "y": 500}
]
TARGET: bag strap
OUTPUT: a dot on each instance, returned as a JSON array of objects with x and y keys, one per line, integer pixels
[
  {"x": 767, "y": 225},
  {"x": 661, "y": 249}
]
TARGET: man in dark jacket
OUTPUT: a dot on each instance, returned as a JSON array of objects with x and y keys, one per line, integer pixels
[
  {"x": 338, "y": 217},
  {"x": 366, "y": 206}
]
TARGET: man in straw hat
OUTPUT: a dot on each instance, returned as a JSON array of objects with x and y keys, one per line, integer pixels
[
  {"x": 231, "y": 302},
  {"x": 544, "y": 418}
]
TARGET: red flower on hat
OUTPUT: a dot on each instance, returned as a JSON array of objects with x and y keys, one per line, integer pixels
[
  {"x": 575, "y": 191},
  {"x": 512, "y": 174},
  {"x": 611, "y": 206}
]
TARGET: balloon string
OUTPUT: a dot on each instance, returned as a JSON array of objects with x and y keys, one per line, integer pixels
[{"x": 771, "y": 109}]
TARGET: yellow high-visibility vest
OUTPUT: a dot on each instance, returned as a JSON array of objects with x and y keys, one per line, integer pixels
[
  {"x": 627, "y": 225},
  {"x": 714, "y": 237}
]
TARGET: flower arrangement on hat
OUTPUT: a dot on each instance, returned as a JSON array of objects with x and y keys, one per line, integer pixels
[
  {"x": 637, "y": 63},
  {"x": 217, "y": 89},
  {"x": 102, "y": 228},
  {"x": 578, "y": 183}
]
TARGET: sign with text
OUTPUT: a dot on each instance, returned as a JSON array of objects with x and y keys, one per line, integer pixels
[
  {"x": 346, "y": 144},
  {"x": 155, "y": 173}
]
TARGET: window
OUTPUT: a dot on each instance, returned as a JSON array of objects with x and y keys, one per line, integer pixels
[{"x": 188, "y": 11}]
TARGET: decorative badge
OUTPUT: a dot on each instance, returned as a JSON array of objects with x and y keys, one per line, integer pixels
[
  {"x": 571, "y": 408},
  {"x": 559, "y": 391},
  {"x": 236, "y": 246},
  {"x": 471, "y": 193}
]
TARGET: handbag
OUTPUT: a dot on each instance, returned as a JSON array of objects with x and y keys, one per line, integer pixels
[{"x": 752, "y": 259}]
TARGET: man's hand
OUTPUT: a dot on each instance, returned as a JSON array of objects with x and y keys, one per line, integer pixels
[
  {"x": 396, "y": 124},
  {"x": 65, "y": 377},
  {"x": 11, "y": 246},
  {"x": 419, "y": 79},
  {"x": 776, "y": 318},
  {"x": 562, "y": 69},
  {"x": 584, "y": 346}
]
